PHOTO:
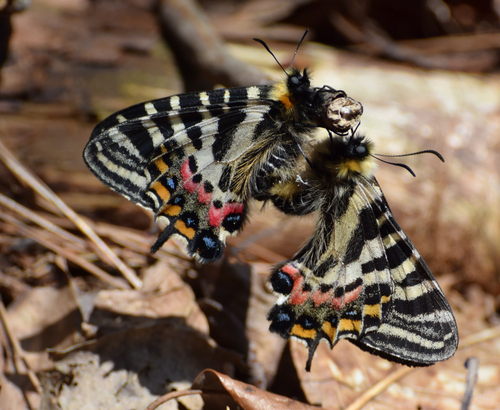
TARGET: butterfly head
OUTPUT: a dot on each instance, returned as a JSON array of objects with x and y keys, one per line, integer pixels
[
  {"x": 297, "y": 82},
  {"x": 346, "y": 158},
  {"x": 294, "y": 90}
]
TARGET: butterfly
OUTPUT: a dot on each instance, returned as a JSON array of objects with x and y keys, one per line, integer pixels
[
  {"x": 196, "y": 159},
  {"x": 359, "y": 277}
]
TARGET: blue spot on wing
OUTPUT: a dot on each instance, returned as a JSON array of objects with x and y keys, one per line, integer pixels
[
  {"x": 171, "y": 183},
  {"x": 207, "y": 245},
  {"x": 209, "y": 242}
]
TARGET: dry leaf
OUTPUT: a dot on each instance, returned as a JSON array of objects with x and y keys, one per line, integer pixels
[
  {"x": 45, "y": 317},
  {"x": 221, "y": 391},
  {"x": 165, "y": 295}
]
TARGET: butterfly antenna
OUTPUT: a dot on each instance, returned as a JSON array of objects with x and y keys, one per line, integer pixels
[
  {"x": 305, "y": 156},
  {"x": 258, "y": 40},
  {"x": 426, "y": 151},
  {"x": 395, "y": 163},
  {"x": 355, "y": 129},
  {"x": 353, "y": 132},
  {"x": 298, "y": 45}
]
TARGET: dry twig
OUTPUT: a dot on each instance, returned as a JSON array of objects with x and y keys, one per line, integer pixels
[
  {"x": 44, "y": 223},
  {"x": 380, "y": 387},
  {"x": 472, "y": 365},
  {"x": 172, "y": 395},
  {"x": 20, "y": 361},
  {"x": 28, "y": 177},
  {"x": 201, "y": 55},
  {"x": 40, "y": 238}
]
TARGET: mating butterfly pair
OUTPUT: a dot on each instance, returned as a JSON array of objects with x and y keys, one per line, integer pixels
[{"x": 196, "y": 160}]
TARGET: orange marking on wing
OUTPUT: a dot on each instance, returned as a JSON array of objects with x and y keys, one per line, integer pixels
[
  {"x": 160, "y": 164},
  {"x": 162, "y": 192},
  {"x": 299, "y": 331},
  {"x": 171, "y": 210},
  {"x": 347, "y": 325},
  {"x": 372, "y": 310},
  {"x": 329, "y": 330},
  {"x": 184, "y": 230}
]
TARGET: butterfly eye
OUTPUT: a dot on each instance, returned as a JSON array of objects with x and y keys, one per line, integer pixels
[
  {"x": 360, "y": 149},
  {"x": 294, "y": 80}
]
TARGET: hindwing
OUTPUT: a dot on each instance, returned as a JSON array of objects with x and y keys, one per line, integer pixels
[{"x": 359, "y": 277}]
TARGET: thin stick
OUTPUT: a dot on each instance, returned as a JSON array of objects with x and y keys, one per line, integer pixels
[
  {"x": 172, "y": 395},
  {"x": 482, "y": 336},
  {"x": 44, "y": 223},
  {"x": 380, "y": 387},
  {"x": 27, "y": 176},
  {"x": 18, "y": 351},
  {"x": 472, "y": 365},
  {"x": 36, "y": 236}
]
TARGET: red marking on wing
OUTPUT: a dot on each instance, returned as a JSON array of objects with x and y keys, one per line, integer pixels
[
  {"x": 187, "y": 176},
  {"x": 292, "y": 271},
  {"x": 233, "y": 208},
  {"x": 203, "y": 196},
  {"x": 346, "y": 298},
  {"x": 216, "y": 216},
  {"x": 297, "y": 296},
  {"x": 319, "y": 297}
]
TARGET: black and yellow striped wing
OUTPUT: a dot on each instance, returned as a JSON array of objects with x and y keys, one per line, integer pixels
[
  {"x": 419, "y": 328},
  {"x": 359, "y": 277}
]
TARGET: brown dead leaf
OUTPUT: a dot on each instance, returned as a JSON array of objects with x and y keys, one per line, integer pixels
[
  {"x": 45, "y": 317},
  {"x": 165, "y": 295},
  {"x": 11, "y": 395},
  {"x": 266, "y": 231},
  {"x": 220, "y": 391},
  {"x": 161, "y": 277},
  {"x": 42, "y": 318},
  {"x": 236, "y": 303}
]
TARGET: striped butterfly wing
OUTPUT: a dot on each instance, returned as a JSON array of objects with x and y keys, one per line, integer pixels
[
  {"x": 360, "y": 278},
  {"x": 419, "y": 328},
  {"x": 178, "y": 157}
]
